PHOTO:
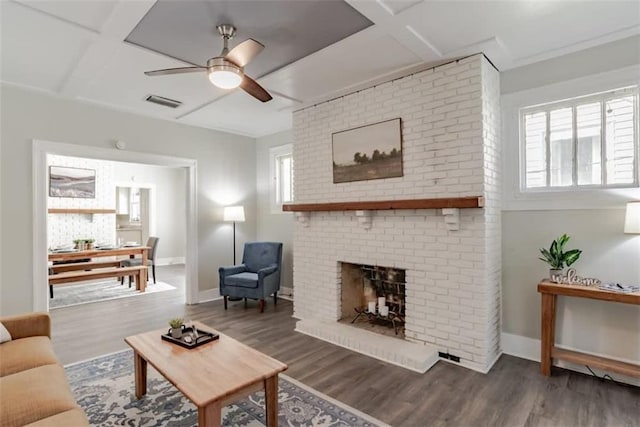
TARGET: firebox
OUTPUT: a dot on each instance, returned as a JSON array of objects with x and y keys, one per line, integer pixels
[{"x": 373, "y": 298}]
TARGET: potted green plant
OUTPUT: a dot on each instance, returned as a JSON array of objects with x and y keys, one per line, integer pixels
[
  {"x": 83, "y": 244},
  {"x": 176, "y": 327},
  {"x": 556, "y": 256}
]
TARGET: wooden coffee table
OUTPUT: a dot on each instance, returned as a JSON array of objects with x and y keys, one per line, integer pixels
[{"x": 212, "y": 375}]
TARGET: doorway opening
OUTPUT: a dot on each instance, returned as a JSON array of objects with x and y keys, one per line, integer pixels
[{"x": 137, "y": 172}]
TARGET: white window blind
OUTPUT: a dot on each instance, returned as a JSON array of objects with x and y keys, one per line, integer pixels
[
  {"x": 284, "y": 179},
  {"x": 565, "y": 144},
  {"x": 281, "y": 169}
]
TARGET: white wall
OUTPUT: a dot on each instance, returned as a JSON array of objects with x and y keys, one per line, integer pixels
[
  {"x": 62, "y": 229},
  {"x": 594, "y": 220},
  {"x": 273, "y": 226},
  {"x": 224, "y": 176},
  {"x": 599, "y": 59},
  {"x": 168, "y": 207}
]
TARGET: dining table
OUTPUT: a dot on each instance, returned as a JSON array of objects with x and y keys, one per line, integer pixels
[{"x": 73, "y": 255}]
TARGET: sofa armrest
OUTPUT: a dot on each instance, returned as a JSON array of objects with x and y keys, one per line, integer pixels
[
  {"x": 28, "y": 325},
  {"x": 228, "y": 271}
]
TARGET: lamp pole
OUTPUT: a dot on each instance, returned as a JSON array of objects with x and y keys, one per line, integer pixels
[
  {"x": 234, "y": 243},
  {"x": 234, "y": 214}
]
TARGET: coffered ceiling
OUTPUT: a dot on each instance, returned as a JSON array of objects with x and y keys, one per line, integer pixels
[{"x": 97, "y": 50}]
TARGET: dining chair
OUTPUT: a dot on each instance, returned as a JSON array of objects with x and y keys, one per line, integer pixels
[{"x": 152, "y": 243}]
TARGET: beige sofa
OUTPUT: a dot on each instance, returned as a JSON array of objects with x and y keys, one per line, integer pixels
[{"x": 33, "y": 385}]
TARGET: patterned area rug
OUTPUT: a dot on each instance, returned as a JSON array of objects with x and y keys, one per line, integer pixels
[
  {"x": 104, "y": 387},
  {"x": 73, "y": 294}
]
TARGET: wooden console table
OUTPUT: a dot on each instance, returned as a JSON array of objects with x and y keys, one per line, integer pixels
[{"x": 549, "y": 292}]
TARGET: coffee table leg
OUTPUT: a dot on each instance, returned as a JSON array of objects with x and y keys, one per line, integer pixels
[
  {"x": 210, "y": 415},
  {"x": 271, "y": 398},
  {"x": 140, "y": 368}
]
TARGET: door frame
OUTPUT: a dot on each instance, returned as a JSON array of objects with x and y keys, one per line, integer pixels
[{"x": 42, "y": 148}]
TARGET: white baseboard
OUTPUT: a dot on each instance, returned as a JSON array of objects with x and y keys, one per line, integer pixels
[
  {"x": 208, "y": 295},
  {"x": 170, "y": 260},
  {"x": 529, "y": 348}
]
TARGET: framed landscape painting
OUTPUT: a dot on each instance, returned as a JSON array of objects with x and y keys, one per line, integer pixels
[
  {"x": 368, "y": 152},
  {"x": 72, "y": 182}
]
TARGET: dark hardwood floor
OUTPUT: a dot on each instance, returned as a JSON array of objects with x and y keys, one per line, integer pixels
[{"x": 512, "y": 394}]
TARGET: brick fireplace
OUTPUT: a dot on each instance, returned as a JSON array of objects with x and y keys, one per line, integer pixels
[{"x": 450, "y": 257}]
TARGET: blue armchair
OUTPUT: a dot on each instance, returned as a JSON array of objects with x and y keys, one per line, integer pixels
[{"x": 257, "y": 277}]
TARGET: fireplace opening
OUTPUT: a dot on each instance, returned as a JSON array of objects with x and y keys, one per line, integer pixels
[{"x": 373, "y": 298}]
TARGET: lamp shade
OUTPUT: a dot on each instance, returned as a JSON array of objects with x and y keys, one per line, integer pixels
[
  {"x": 632, "y": 220},
  {"x": 234, "y": 213}
]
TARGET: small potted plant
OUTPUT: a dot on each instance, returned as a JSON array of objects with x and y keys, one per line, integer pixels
[
  {"x": 556, "y": 257},
  {"x": 89, "y": 243},
  {"x": 83, "y": 244},
  {"x": 176, "y": 327}
]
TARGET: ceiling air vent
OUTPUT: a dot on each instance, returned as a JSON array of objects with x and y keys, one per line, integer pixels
[{"x": 171, "y": 103}]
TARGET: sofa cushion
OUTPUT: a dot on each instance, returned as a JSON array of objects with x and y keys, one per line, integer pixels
[
  {"x": 26, "y": 353},
  {"x": 242, "y": 280},
  {"x": 73, "y": 417},
  {"x": 34, "y": 394}
]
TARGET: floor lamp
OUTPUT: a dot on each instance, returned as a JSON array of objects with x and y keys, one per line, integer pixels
[{"x": 235, "y": 214}]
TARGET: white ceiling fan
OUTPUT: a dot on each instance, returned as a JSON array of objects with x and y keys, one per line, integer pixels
[{"x": 226, "y": 71}]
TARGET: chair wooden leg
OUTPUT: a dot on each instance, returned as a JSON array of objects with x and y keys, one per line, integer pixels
[
  {"x": 261, "y": 306},
  {"x": 225, "y": 302},
  {"x": 121, "y": 280},
  {"x": 153, "y": 269},
  {"x": 275, "y": 298},
  {"x": 130, "y": 281},
  {"x": 51, "y": 291}
]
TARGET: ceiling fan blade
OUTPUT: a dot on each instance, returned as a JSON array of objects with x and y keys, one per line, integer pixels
[
  {"x": 254, "y": 89},
  {"x": 243, "y": 53},
  {"x": 180, "y": 70}
]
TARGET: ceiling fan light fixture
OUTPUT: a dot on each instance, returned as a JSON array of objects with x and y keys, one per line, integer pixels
[{"x": 225, "y": 75}]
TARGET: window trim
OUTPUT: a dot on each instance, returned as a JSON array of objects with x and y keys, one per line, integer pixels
[
  {"x": 602, "y": 97},
  {"x": 275, "y": 153}
]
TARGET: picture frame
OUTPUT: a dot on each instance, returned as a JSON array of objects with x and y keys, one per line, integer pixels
[
  {"x": 368, "y": 152},
  {"x": 71, "y": 182}
]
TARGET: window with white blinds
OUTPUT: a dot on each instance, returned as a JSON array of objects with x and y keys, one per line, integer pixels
[
  {"x": 281, "y": 170},
  {"x": 590, "y": 141}
]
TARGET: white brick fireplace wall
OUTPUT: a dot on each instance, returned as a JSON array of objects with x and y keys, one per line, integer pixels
[{"x": 450, "y": 125}]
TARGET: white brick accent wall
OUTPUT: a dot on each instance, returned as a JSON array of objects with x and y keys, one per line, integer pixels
[
  {"x": 62, "y": 229},
  {"x": 450, "y": 149}
]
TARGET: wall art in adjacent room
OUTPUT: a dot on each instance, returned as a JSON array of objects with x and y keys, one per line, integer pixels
[{"x": 72, "y": 182}]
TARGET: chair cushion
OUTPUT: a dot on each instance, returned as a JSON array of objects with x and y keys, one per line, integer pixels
[
  {"x": 242, "y": 280},
  {"x": 34, "y": 394},
  {"x": 26, "y": 353}
]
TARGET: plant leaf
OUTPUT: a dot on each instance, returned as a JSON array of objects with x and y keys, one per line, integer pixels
[
  {"x": 562, "y": 240},
  {"x": 572, "y": 256}
]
